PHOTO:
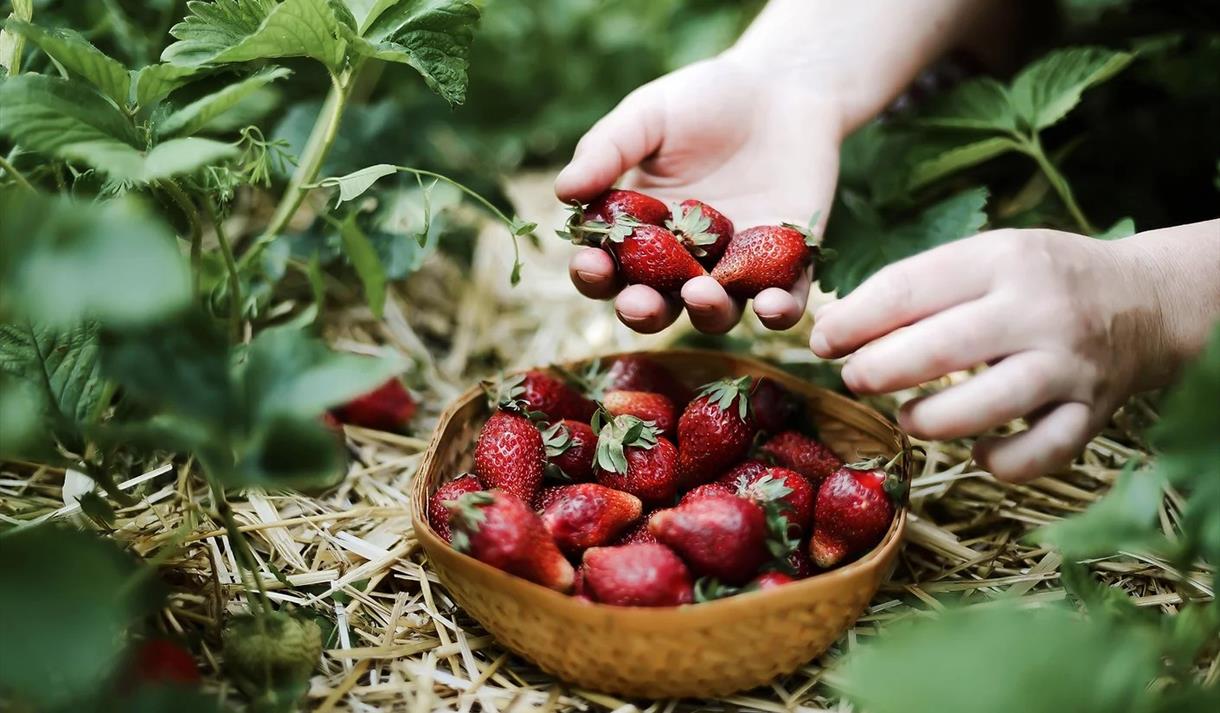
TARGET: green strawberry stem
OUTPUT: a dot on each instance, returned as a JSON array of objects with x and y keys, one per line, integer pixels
[
  {"x": 725, "y": 391},
  {"x": 619, "y": 434}
]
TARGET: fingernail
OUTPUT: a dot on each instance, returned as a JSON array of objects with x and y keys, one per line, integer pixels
[
  {"x": 769, "y": 315},
  {"x": 633, "y": 320},
  {"x": 817, "y": 341},
  {"x": 588, "y": 276},
  {"x": 700, "y": 307}
]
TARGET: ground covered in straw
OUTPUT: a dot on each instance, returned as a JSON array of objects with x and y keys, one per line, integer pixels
[{"x": 401, "y": 644}]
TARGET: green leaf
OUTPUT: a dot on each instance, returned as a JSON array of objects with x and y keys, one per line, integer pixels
[
  {"x": 157, "y": 81},
  {"x": 194, "y": 116},
  {"x": 290, "y": 452},
  {"x": 432, "y": 36},
  {"x": 1122, "y": 519},
  {"x": 163, "y": 698},
  {"x": 62, "y": 370},
  {"x": 354, "y": 184},
  {"x": 167, "y": 159},
  {"x": 948, "y": 161},
  {"x": 23, "y": 430},
  {"x": 1053, "y": 660},
  {"x": 47, "y": 114},
  {"x": 61, "y": 262},
  {"x": 979, "y": 104},
  {"x": 363, "y": 256},
  {"x": 69, "y": 598},
  {"x": 365, "y": 12},
  {"x": 1044, "y": 92},
  {"x": 227, "y": 31},
  {"x": 12, "y": 45},
  {"x": 1122, "y": 228},
  {"x": 862, "y": 243},
  {"x": 80, "y": 59}
]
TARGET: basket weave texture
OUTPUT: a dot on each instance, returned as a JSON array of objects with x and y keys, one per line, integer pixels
[{"x": 710, "y": 649}]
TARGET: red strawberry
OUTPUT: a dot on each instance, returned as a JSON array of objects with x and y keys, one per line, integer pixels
[
  {"x": 798, "y": 564},
  {"x": 571, "y": 446},
  {"x": 652, "y": 256},
  {"x": 748, "y": 468},
  {"x": 545, "y": 497},
  {"x": 703, "y": 230},
  {"x": 588, "y": 515},
  {"x": 718, "y": 536},
  {"x": 774, "y": 407},
  {"x": 631, "y": 457},
  {"x": 644, "y": 406},
  {"x": 438, "y": 514},
  {"x": 807, "y": 456},
  {"x": 637, "y": 535},
  {"x": 164, "y": 661},
  {"x": 498, "y": 528},
  {"x": 639, "y": 373},
  {"x": 779, "y": 485},
  {"x": 770, "y": 580},
  {"x": 705, "y": 490},
  {"x": 853, "y": 512},
  {"x": 613, "y": 204},
  {"x": 645, "y": 575},
  {"x": 387, "y": 408},
  {"x": 714, "y": 431},
  {"x": 510, "y": 455},
  {"x": 553, "y": 397},
  {"x": 762, "y": 257}
]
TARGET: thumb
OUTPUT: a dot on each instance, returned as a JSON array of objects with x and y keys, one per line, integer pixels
[{"x": 618, "y": 142}]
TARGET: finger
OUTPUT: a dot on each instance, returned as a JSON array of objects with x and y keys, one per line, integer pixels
[
  {"x": 900, "y": 294},
  {"x": 644, "y": 309},
  {"x": 782, "y": 309},
  {"x": 619, "y": 141},
  {"x": 710, "y": 308},
  {"x": 1016, "y": 387},
  {"x": 592, "y": 272},
  {"x": 958, "y": 338},
  {"x": 1052, "y": 441}
]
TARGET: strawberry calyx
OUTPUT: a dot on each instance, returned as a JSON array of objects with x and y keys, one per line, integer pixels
[
  {"x": 594, "y": 233},
  {"x": 557, "y": 439},
  {"x": 764, "y": 490},
  {"x": 467, "y": 513},
  {"x": 709, "y": 589},
  {"x": 896, "y": 488},
  {"x": 725, "y": 391},
  {"x": 615, "y": 437},
  {"x": 505, "y": 394},
  {"x": 809, "y": 231},
  {"x": 692, "y": 229},
  {"x": 780, "y": 541}
]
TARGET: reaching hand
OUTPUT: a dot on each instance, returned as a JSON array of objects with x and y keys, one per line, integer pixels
[{"x": 761, "y": 148}]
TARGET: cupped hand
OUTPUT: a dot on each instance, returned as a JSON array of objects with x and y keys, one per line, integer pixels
[
  {"x": 1069, "y": 325},
  {"x": 759, "y": 147}
]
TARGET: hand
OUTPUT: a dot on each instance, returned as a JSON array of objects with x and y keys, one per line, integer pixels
[
  {"x": 760, "y": 147},
  {"x": 1070, "y": 325}
]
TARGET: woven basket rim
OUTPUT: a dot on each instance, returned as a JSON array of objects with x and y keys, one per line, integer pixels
[{"x": 651, "y": 617}]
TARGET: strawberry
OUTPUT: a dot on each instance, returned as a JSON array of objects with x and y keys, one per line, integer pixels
[
  {"x": 774, "y": 407},
  {"x": 545, "y": 497},
  {"x": 555, "y": 399},
  {"x": 703, "y": 230},
  {"x": 714, "y": 431},
  {"x": 705, "y": 490},
  {"x": 649, "y": 255},
  {"x": 854, "y": 509},
  {"x": 615, "y": 203},
  {"x": 438, "y": 514},
  {"x": 644, "y": 575},
  {"x": 588, "y": 515},
  {"x": 570, "y": 448},
  {"x": 632, "y": 457},
  {"x": 644, "y": 406},
  {"x": 639, "y": 373},
  {"x": 637, "y": 535},
  {"x": 748, "y": 468},
  {"x": 769, "y": 580},
  {"x": 762, "y": 257},
  {"x": 388, "y": 407},
  {"x": 798, "y": 564},
  {"x": 807, "y": 456},
  {"x": 510, "y": 455},
  {"x": 578, "y": 585},
  {"x": 782, "y": 486},
  {"x": 164, "y": 661},
  {"x": 719, "y": 536},
  {"x": 496, "y": 527}
]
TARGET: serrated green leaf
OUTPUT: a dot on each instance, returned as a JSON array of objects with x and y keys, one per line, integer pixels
[
  {"x": 59, "y": 371},
  {"x": 194, "y": 116},
  {"x": 47, "y": 114},
  {"x": 61, "y": 262},
  {"x": 80, "y": 59},
  {"x": 432, "y": 36},
  {"x": 364, "y": 259},
  {"x": 76, "y": 594},
  {"x": 957, "y": 158},
  {"x": 354, "y": 184},
  {"x": 157, "y": 81},
  {"x": 1044, "y": 92},
  {"x": 981, "y": 104},
  {"x": 365, "y": 12},
  {"x": 863, "y": 243},
  {"x": 228, "y": 31}
]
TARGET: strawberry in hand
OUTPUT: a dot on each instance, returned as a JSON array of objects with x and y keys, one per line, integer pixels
[
  {"x": 763, "y": 257},
  {"x": 704, "y": 231}
]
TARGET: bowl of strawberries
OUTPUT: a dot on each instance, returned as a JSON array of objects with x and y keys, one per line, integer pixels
[{"x": 662, "y": 524}]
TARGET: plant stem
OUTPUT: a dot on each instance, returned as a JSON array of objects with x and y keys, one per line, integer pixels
[
  {"x": 245, "y": 560},
  {"x": 231, "y": 265},
  {"x": 325, "y": 129},
  {"x": 1034, "y": 149},
  {"x": 192, "y": 218},
  {"x": 17, "y": 175}
]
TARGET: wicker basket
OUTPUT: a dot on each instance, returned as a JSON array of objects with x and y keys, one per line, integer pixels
[{"x": 710, "y": 649}]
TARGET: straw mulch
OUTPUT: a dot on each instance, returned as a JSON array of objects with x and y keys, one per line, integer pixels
[{"x": 400, "y": 642}]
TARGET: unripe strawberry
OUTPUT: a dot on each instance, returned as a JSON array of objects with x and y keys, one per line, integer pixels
[{"x": 271, "y": 656}]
